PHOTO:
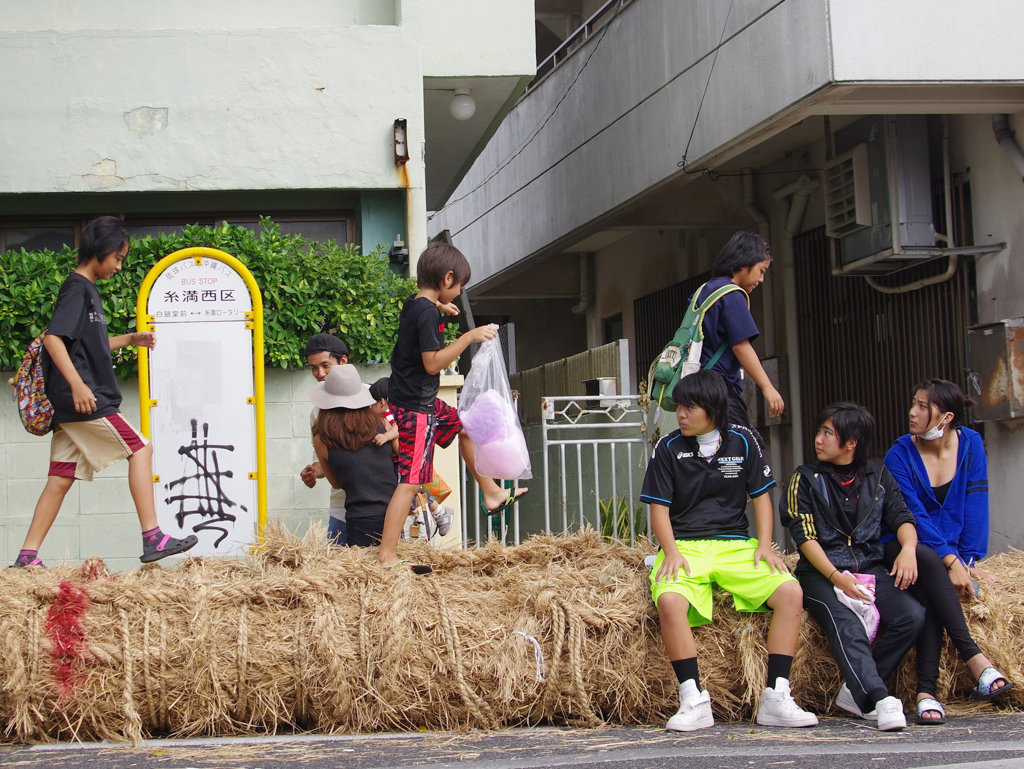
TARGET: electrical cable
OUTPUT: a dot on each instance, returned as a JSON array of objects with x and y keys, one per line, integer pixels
[{"x": 714, "y": 59}]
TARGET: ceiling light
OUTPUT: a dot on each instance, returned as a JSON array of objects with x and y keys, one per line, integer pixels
[{"x": 463, "y": 106}]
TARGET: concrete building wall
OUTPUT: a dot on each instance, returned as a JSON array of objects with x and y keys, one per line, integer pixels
[
  {"x": 98, "y": 518},
  {"x": 922, "y": 40},
  {"x": 997, "y": 194},
  {"x": 467, "y": 37},
  {"x": 599, "y": 153},
  {"x": 206, "y": 109},
  {"x": 192, "y": 14},
  {"x": 621, "y": 120},
  {"x": 238, "y": 95}
]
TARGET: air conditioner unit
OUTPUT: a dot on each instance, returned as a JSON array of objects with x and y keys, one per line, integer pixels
[{"x": 878, "y": 199}]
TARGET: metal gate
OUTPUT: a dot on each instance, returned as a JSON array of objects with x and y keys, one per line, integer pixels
[{"x": 593, "y": 453}]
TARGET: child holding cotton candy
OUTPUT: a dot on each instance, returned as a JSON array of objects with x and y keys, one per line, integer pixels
[{"x": 423, "y": 420}]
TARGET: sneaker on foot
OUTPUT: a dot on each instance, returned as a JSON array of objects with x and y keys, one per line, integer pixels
[
  {"x": 845, "y": 701},
  {"x": 694, "y": 709},
  {"x": 23, "y": 562},
  {"x": 165, "y": 545},
  {"x": 890, "y": 715},
  {"x": 778, "y": 708},
  {"x": 443, "y": 517}
]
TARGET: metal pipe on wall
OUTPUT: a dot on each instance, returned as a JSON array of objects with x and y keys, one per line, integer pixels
[
  {"x": 800, "y": 191},
  {"x": 1005, "y": 137},
  {"x": 770, "y": 333}
]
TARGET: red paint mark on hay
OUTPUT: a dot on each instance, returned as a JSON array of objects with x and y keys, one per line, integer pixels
[{"x": 64, "y": 629}]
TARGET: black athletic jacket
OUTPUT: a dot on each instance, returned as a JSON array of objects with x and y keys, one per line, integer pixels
[{"x": 808, "y": 513}]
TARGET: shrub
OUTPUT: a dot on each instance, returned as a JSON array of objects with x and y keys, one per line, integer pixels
[
  {"x": 616, "y": 524},
  {"x": 307, "y": 287}
]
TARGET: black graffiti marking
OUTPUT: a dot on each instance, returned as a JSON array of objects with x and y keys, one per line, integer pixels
[{"x": 209, "y": 502}]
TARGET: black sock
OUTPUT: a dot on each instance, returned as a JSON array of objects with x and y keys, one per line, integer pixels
[
  {"x": 152, "y": 535},
  {"x": 779, "y": 666},
  {"x": 687, "y": 669},
  {"x": 873, "y": 698}
]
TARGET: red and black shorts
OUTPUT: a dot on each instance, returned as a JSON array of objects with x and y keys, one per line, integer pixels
[{"x": 418, "y": 433}]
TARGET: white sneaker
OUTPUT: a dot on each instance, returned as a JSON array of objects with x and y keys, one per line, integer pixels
[
  {"x": 845, "y": 701},
  {"x": 778, "y": 708},
  {"x": 890, "y": 715},
  {"x": 443, "y": 517},
  {"x": 694, "y": 709}
]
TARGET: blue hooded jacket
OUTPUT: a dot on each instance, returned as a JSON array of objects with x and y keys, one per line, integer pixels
[{"x": 959, "y": 526}]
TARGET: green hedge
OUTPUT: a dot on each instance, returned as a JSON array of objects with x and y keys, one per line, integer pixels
[{"x": 307, "y": 287}]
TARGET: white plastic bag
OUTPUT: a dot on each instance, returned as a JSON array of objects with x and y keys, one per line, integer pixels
[
  {"x": 488, "y": 414},
  {"x": 865, "y": 608}
]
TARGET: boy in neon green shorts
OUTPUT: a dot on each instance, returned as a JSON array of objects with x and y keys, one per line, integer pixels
[{"x": 697, "y": 485}]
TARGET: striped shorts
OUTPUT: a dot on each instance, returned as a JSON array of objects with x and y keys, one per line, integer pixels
[{"x": 418, "y": 433}]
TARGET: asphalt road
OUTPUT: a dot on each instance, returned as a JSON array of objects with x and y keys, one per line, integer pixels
[{"x": 993, "y": 741}]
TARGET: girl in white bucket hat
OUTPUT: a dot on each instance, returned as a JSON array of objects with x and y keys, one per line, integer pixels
[{"x": 343, "y": 438}]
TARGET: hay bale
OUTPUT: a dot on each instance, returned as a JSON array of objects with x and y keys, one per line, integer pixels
[{"x": 299, "y": 636}]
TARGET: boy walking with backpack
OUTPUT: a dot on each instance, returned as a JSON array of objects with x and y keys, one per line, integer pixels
[
  {"x": 88, "y": 432},
  {"x": 424, "y": 420}
]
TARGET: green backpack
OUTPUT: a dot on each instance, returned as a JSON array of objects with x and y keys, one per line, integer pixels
[{"x": 681, "y": 356}]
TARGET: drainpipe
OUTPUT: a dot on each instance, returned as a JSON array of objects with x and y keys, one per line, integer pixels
[
  {"x": 582, "y": 307},
  {"x": 800, "y": 191},
  {"x": 764, "y": 230},
  {"x": 584, "y": 303},
  {"x": 756, "y": 213},
  {"x": 1001, "y": 128}
]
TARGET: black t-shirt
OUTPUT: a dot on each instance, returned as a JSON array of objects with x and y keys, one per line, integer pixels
[
  {"x": 707, "y": 498},
  {"x": 728, "y": 320},
  {"x": 79, "y": 320},
  {"x": 368, "y": 476},
  {"x": 843, "y": 492},
  {"x": 420, "y": 329}
]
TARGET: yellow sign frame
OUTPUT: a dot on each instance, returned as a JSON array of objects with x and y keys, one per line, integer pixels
[{"x": 254, "y": 320}]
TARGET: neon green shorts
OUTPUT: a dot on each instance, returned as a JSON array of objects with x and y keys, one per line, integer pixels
[{"x": 728, "y": 563}]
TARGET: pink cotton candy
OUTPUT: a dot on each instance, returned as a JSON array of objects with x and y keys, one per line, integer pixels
[
  {"x": 488, "y": 418},
  {"x": 506, "y": 458}
]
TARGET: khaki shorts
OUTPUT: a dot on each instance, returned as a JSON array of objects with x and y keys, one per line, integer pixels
[{"x": 79, "y": 449}]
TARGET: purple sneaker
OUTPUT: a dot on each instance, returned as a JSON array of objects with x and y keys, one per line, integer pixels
[{"x": 24, "y": 561}]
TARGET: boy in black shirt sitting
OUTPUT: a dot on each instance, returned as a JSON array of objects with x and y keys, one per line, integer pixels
[
  {"x": 834, "y": 509},
  {"x": 697, "y": 485}
]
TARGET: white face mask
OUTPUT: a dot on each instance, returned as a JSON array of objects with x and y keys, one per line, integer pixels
[{"x": 933, "y": 433}]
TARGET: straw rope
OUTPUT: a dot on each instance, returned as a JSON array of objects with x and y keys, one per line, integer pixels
[{"x": 300, "y": 636}]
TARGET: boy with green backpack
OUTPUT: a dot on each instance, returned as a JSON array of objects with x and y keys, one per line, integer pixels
[{"x": 718, "y": 329}]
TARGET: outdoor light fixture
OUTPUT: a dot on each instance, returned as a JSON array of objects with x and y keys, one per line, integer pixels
[
  {"x": 463, "y": 106},
  {"x": 401, "y": 143},
  {"x": 399, "y": 254}
]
